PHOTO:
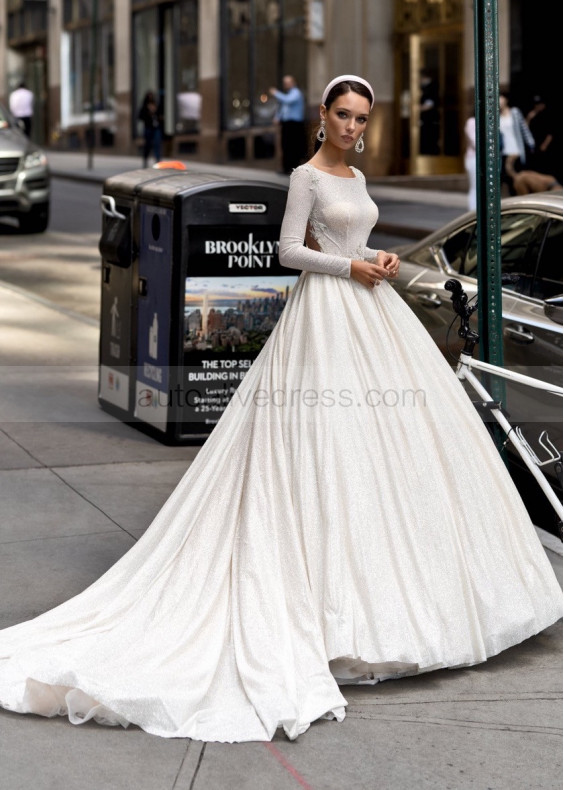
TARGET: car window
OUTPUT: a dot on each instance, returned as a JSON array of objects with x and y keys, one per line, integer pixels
[
  {"x": 521, "y": 235},
  {"x": 425, "y": 257},
  {"x": 548, "y": 277},
  {"x": 455, "y": 248}
]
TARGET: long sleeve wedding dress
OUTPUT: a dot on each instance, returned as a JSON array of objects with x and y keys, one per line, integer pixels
[{"x": 349, "y": 519}]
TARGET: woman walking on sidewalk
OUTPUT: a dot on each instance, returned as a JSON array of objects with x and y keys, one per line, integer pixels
[
  {"x": 323, "y": 536},
  {"x": 516, "y": 140},
  {"x": 151, "y": 114}
]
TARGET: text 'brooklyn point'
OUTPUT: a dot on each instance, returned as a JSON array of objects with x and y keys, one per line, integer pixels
[{"x": 245, "y": 254}]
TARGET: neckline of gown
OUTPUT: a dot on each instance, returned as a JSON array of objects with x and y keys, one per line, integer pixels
[{"x": 343, "y": 178}]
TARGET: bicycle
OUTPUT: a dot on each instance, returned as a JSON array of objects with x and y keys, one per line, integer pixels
[{"x": 466, "y": 363}]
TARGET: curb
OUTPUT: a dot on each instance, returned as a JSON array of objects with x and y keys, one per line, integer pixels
[
  {"x": 388, "y": 228},
  {"x": 84, "y": 177}
]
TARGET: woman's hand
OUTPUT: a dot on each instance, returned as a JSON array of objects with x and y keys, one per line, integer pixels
[
  {"x": 368, "y": 273},
  {"x": 390, "y": 261}
]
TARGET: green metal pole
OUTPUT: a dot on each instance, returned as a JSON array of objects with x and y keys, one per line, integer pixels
[
  {"x": 93, "y": 58},
  {"x": 486, "y": 80}
]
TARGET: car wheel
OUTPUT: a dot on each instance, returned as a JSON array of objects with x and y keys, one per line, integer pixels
[{"x": 36, "y": 220}]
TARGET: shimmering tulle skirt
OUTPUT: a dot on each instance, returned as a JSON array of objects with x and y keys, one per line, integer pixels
[{"x": 348, "y": 520}]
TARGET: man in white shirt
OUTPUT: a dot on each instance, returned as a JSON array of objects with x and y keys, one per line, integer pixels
[{"x": 21, "y": 106}]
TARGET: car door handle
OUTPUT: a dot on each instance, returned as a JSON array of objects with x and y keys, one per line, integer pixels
[
  {"x": 519, "y": 334},
  {"x": 429, "y": 300}
]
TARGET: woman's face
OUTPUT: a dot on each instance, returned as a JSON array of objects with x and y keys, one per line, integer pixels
[
  {"x": 503, "y": 103},
  {"x": 346, "y": 119}
]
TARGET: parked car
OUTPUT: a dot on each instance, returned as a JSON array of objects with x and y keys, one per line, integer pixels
[
  {"x": 531, "y": 251},
  {"x": 24, "y": 177}
]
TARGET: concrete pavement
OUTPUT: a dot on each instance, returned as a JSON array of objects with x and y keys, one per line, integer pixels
[{"x": 78, "y": 488}]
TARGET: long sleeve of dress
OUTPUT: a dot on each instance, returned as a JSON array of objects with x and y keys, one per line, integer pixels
[
  {"x": 292, "y": 252},
  {"x": 370, "y": 254}
]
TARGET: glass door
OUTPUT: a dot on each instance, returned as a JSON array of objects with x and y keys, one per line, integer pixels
[
  {"x": 145, "y": 61},
  {"x": 430, "y": 103},
  {"x": 154, "y": 63},
  {"x": 168, "y": 70}
]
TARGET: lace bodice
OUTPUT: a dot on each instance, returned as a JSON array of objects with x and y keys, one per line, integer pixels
[{"x": 337, "y": 213}]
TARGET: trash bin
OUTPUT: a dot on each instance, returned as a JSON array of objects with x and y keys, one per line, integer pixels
[{"x": 191, "y": 289}]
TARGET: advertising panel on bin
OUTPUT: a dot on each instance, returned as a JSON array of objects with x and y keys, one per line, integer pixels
[
  {"x": 115, "y": 308},
  {"x": 115, "y": 327},
  {"x": 235, "y": 291}
]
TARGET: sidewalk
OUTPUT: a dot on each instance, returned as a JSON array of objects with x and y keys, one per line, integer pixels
[
  {"x": 404, "y": 211},
  {"x": 78, "y": 488}
]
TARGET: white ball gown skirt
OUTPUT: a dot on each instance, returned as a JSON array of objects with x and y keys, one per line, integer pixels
[{"x": 349, "y": 519}]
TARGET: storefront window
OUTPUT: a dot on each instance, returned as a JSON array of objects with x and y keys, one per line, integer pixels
[
  {"x": 83, "y": 77},
  {"x": 293, "y": 44},
  {"x": 26, "y": 20},
  {"x": 81, "y": 10},
  {"x": 146, "y": 59},
  {"x": 237, "y": 65},
  {"x": 80, "y": 56},
  {"x": 165, "y": 61},
  {"x": 261, "y": 40},
  {"x": 266, "y": 65},
  {"x": 186, "y": 67}
]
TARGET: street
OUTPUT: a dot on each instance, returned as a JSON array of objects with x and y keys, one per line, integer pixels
[
  {"x": 76, "y": 207},
  {"x": 63, "y": 264}
]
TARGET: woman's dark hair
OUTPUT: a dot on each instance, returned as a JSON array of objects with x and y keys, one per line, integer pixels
[{"x": 346, "y": 87}]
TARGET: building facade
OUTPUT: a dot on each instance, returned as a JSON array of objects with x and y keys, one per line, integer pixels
[{"x": 211, "y": 63}]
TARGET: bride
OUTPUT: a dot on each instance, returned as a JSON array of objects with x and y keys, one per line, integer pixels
[{"x": 348, "y": 520}]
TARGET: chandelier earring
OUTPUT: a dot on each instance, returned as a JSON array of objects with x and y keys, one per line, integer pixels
[
  {"x": 322, "y": 134},
  {"x": 359, "y": 147}
]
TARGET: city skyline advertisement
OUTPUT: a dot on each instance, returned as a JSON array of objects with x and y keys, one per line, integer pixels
[{"x": 224, "y": 292}]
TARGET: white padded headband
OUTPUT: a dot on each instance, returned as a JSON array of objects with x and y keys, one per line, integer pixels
[{"x": 347, "y": 78}]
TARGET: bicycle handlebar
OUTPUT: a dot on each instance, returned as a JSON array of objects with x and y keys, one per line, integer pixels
[{"x": 460, "y": 303}]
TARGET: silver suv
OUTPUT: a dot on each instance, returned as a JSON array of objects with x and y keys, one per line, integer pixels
[{"x": 24, "y": 177}]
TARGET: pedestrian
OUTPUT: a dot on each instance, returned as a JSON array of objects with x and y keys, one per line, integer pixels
[
  {"x": 428, "y": 114},
  {"x": 291, "y": 116},
  {"x": 526, "y": 182},
  {"x": 325, "y": 534},
  {"x": 470, "y": 160},
  {"x": 189, "y": 108},
  {"x": 516, "y": 140},
  {"x": 151, "y": 114},
  {"x": 21, "y": 106},
  {"x": 543, "y": 128}
]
